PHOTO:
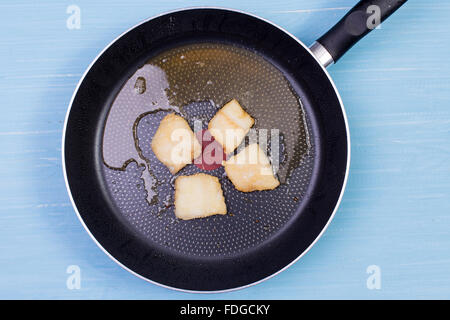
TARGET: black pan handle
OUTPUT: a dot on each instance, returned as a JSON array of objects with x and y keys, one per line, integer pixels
[{"x": 365, "y": 16}]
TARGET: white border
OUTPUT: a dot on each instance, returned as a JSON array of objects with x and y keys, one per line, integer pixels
[{"x": 197, "y": 291}]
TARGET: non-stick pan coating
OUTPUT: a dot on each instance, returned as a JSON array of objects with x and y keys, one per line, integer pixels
[
  {"x": 194, "y": 81},
  {"x": 264, "y": 231}
]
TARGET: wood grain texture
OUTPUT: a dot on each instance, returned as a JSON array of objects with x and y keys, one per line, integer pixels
[{"x": 395, "y": 213}]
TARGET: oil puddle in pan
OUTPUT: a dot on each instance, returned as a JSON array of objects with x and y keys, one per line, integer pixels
[{"x": 194, "y": 81}]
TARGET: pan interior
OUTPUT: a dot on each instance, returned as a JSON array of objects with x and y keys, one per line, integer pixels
[{"x": 195, "y": 80}]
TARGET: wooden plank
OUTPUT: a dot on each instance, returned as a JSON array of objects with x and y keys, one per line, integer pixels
[{"x": 395, "y": 213}]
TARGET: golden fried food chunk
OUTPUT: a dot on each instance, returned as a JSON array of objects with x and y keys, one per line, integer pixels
[
  {"x": 174, "y": 143},
  {"x": 250, "y": 170},
  {"x": 198, "y": 196},
  {"x": 230, "y": 125}
]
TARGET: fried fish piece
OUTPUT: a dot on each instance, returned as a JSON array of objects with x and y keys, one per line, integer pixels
[
  {"x": 230, "y": 125},
  {"x": 174, "y": 143},
  {"x": 250, "y": 170},
  {"x": 198, "y": 196}
]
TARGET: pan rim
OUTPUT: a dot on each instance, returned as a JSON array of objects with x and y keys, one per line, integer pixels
[{"x": 236, "y": 11}]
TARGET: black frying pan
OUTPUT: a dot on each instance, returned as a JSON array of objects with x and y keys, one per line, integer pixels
[{"x": 191, "y": 62}]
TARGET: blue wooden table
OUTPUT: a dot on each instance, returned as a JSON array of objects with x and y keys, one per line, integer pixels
[{"x": 391, "y": 235}]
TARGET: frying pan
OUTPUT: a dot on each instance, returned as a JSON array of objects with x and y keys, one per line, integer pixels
[{"x": 124, "y": 196}]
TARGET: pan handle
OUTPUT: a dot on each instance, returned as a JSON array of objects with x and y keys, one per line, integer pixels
[{"x": 365, "y": 16}]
